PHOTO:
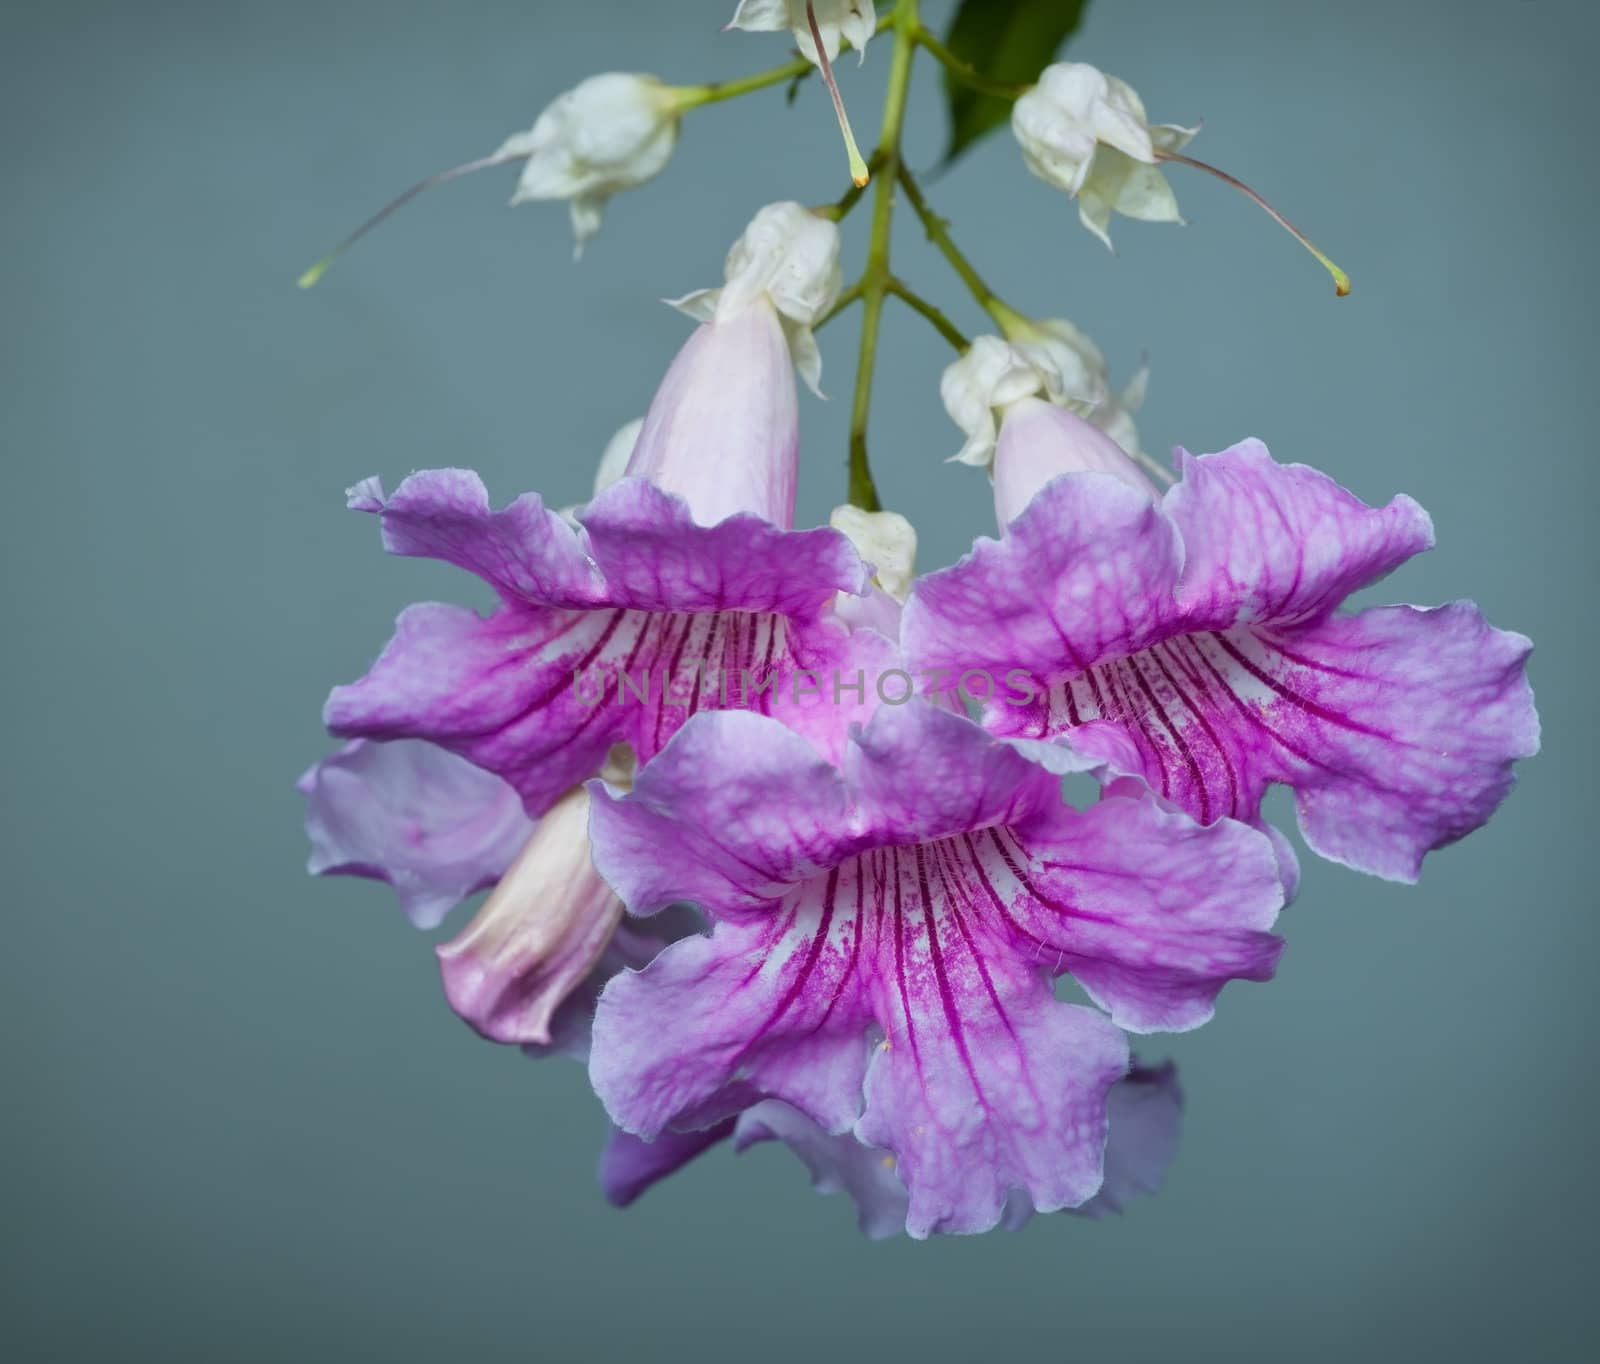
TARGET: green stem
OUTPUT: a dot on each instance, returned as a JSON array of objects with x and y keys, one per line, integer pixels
[
  {"x": 939, "y": 234},
  {"x": 694, "y": 96},
  {"x": 844, "y": 300},
  {"x": 875, "y": 278},
  {"x": 963, "y": 73},
  {"x": 917, "y": 303}
]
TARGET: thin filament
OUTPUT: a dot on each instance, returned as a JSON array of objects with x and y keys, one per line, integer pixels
[
  {"x": 859, "y": 175},
  {"x": 1341, "y": 281},
  {"x": 316, "y": 272}
]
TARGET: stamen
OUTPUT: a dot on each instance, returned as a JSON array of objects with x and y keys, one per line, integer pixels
[
  {"x": 859, "y": 175},
  {"x": 1341, "y": 281},
  {"x": 316, "y": 272}
]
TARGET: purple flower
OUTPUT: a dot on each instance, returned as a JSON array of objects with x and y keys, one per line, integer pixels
[
  {"x": 632, "y": 946},
  {"x": 684, "y": 589},
  {"x": 885, "y": 936},
  {"x": 438, "y": 829},
  {"x": 539, "y": 934},
  {"x": 1196, "y": 642},
  {"x": 680, "y": 587},
  {"x": 629, "y": 1167},
  {"x": 1142, "y": 1110},
  {"x": 428, "y": 823}
]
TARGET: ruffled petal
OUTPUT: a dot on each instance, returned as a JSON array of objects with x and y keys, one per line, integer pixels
[
  {"x": 667, "y": 618},
  {"x": 505, "y": 692},
  {"x": 772, "y": 1004},
  {"x": 1150, "y": 912},
  {"x": 990, "y": 1093},
  {"x": 846, "y": 906},
  {"x": 734, "y": 813},
  {"x": 838, "y": 1164},
  {"x": 656, "y": 557},
  {"x": 1145, "y": 1112},
  {"x": 835, "y": 676},
  {"x": 430, "y": 824},
  {"x": 920, "y": 773},
  {"x": 1280, "y": 543},
  {"x": 984, "y": 1083},
  {"x": 525, "y": 552},
  {"x": 1048, "y": 602},
  {"x": 539, "y": 695},
  {"x": 1397, "y": 728},
  {"x": 651, "y": 553},
  {"x": 629, "y": 1166}
]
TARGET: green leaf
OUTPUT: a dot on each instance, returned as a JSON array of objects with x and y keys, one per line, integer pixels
[{"x": 1007, "y": 41}]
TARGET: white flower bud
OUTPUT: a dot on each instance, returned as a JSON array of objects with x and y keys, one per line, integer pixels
[
  {"x": 989, "y": 377},
  {"x": 886, "y": 540},
  {"x": 1022, "y": 423},
  {"x": 1055, "y": 345},
  {"x": 790, "y": 257},
  {"x": 723, "y": 430},
  {"x": 1040, "y": 442},
  {"x": 1087, "y": 133},
  {"x": 540, "y": 932},
  {"x": 839, "y": 21},
  {"x": 608, "y": 133}
]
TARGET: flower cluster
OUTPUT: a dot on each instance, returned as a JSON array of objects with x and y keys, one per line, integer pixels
[{"x": 764, "y": 909}]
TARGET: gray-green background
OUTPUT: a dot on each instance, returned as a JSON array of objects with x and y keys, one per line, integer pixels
[{"x": 240, "y": 1122}]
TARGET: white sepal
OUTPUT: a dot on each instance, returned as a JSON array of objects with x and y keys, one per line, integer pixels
[
  {"x": 788, "y": 256},
  {"x": 1086, "y": 133},
  {"x": 701, "y": 304},
  {"x": 839, "y": 22},
  {"x": 990, "y": 376},
  {"x": 886, "y": 540},
  {"x": 1085, "y": 379},
  {"x": 608, "y": 133}
]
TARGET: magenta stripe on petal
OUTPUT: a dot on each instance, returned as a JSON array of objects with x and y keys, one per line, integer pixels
[
  {"x": 1198, "y": 648},
  {"x": 884, "y": 940}
]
